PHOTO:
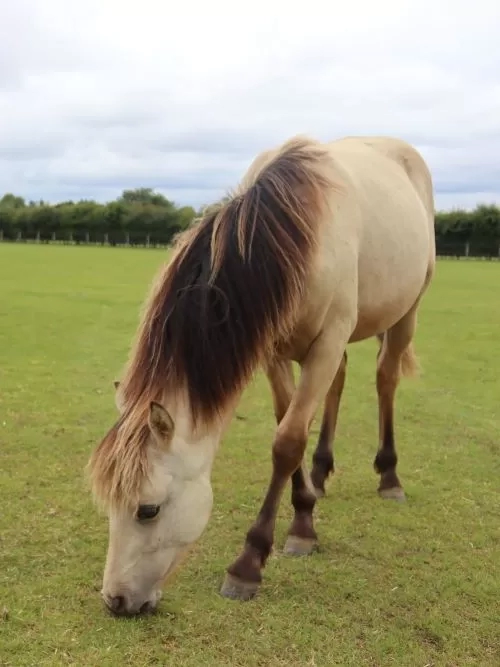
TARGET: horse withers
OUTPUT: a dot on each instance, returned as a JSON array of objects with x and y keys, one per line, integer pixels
[{"x": 321, "y": 245}]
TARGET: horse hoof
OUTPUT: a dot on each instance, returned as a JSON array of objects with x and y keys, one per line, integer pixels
[
  {"x": 299, "y": 546},
  {"x": 237, "y": 589},
  {"x": 396, "y": 493}
]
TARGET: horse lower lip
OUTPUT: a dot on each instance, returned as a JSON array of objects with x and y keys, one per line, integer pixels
[{"x": 147, "y": 608}]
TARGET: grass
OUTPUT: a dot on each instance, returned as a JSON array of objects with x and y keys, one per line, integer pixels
[{"x": 408, "y": 585}]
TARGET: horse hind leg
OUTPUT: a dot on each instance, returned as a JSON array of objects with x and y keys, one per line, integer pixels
[
  {"x": 396, "y": 358},
  {"x": 302, "y": 538},
  {"x": 323, "y": 457}
]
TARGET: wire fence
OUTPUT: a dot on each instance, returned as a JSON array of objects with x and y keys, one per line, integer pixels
[
  {"x": 469, "y": 250},
  {"x": 113, "y": 239},
  {"x": 451, "y": 250}
]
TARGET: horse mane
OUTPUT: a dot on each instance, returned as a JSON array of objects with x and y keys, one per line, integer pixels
[{"x": 229, "y": 295}]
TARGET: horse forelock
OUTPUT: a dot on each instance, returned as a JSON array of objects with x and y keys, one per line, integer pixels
[{"x": 120, "y": 462}]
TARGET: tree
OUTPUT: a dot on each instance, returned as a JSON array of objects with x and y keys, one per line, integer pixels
[
  {"x": 145, "y": 196},
  {"x": 11, "y": 201}
]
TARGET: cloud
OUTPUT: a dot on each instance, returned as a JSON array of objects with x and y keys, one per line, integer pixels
[{"x": 96, "y": 97}]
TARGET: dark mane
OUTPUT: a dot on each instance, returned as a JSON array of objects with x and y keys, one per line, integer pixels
[{"x": 231, "y": 291}]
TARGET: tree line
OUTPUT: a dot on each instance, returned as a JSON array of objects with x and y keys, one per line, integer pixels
[
  {"x": 477, "y": 230},
  {"x": 131, "y": 218},
  {"x": 143, "y": 215}
]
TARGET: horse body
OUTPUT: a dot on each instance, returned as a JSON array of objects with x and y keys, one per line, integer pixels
[
  {"x": 378, "y": 248},
  {"x": 322, "y": 245}
]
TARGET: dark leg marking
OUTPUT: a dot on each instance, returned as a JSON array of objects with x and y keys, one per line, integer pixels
[
  {"x": 323, "y": 458},
  {"x": 302, "y": 538}
]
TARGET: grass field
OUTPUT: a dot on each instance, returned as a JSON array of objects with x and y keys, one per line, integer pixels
[{"x": 408, "y": 585}]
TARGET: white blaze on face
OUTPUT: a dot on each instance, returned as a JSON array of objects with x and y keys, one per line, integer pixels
[{"x": 175, "y": 506}]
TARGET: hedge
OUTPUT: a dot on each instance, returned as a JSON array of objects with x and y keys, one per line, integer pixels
[{"x": 143, "y": 216}]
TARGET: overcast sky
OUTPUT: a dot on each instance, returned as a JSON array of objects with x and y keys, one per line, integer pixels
[{"x": 101, "y": 95}]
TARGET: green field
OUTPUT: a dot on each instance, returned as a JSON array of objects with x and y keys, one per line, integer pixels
[{"x": 408, "y": 585}]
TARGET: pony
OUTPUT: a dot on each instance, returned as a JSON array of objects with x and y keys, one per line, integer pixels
[{"x": 321, "y": 245}]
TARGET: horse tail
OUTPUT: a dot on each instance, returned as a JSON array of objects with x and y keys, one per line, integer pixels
[
  {"x": 410, "y": 366},
  {"x": 409, "y": 363}
]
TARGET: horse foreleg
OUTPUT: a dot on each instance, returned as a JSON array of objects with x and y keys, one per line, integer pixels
[{"x": 318, "y": 368}]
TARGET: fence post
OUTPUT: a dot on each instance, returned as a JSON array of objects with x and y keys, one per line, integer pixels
[
  {"x": 87, "y": 238},
  {"x": 53, "y": 236},
  {"x": 19, "y": 235},
  {"x": 37, "y": 237},
  {"x": 127, "y": 238},
  {"x": 147, "y": 241},
  {"x": 106, "y": 238},
  {"x": 467, "y": 249}
]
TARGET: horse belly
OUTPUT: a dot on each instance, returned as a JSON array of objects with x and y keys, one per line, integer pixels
[
  {"x": 376, "y": 317},
  {"x": 388, "y": 288}
]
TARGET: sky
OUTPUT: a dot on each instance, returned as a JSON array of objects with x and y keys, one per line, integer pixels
[{"x": 97, "y": 96}]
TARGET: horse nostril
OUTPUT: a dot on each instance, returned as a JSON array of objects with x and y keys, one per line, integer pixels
[{"x": 117, "y": 604}]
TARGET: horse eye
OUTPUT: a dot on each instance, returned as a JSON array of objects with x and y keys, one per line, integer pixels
[{"x": 146, "y": 512}]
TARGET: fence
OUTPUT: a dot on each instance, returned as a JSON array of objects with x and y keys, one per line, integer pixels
[
  {"x": 86, "y": 238},
  {"x": 469, "y": 250},
  {"x": 463, "y": 250}
]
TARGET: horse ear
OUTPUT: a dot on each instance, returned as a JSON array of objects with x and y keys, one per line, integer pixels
[
  {"x": 160, "y": 423},
  {"x": 118, "y": 402}
]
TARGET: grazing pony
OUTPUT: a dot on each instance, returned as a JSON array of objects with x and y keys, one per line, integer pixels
[{"x": 321, "y": 245}]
